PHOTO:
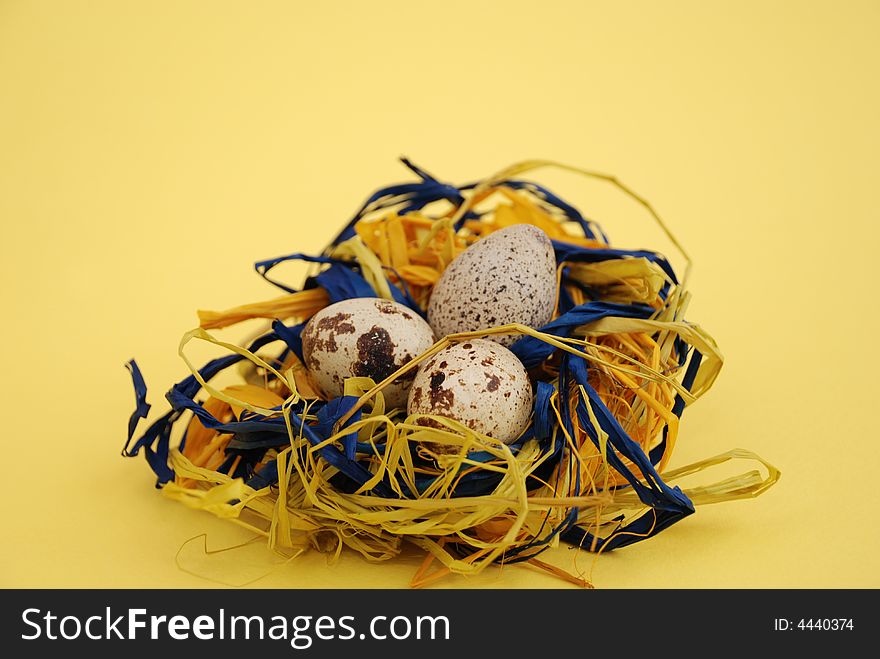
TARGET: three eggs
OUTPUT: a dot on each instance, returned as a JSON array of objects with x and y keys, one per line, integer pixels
[{"x": 507, "y": 277}]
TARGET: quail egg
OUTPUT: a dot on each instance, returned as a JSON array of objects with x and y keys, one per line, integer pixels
[
  {"x": 507, "y": 277},
  {"x": 364, "y": 337},
  {"x": 478, "y": 383}
]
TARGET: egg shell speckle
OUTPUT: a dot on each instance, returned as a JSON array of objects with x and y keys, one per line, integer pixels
[
  {"x": 364, "y": 337},
  {"x": 507, "y": 277},
  {"x": 478, "y": 383}
]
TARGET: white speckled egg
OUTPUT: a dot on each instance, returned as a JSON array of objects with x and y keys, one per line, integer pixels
[
  {"x": 364, "y": 337},
  {"x": 507, "y": 277},
  {"x": 478, "y": 383}
]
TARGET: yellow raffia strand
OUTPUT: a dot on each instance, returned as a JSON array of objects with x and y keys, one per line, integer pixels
[
  {"x": 371, "y": 266},
  {"x": 295, "y": 306},
  {"x": 621, "y": 280},
  {"x": 746, "y": 485},
  {"x": 520, "y": 168},
  {"x": 518, "y": 207},
  {"x": 199, "y": 333},
  {"x": 415, "y": 248},
  {"x": 634, "y": 370}
]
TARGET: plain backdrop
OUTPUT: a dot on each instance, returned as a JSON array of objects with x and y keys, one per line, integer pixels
[{"x": 150, "y": 152}]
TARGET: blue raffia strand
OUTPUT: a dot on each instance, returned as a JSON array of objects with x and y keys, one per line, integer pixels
[
  {"x": 342, "y": 280},
  {"x": 254, "y": 434}
]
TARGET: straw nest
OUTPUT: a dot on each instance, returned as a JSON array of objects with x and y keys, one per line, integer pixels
[{"x": 613, "y": 372}]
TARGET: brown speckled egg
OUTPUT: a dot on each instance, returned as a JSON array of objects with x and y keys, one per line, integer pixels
[
  {"x": 478, "y": 383},
  {"x": 364, "y": 337},
  {"x": 507, "y": 277}
]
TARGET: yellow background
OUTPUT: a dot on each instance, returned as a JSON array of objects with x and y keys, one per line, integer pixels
[{"x": 150, "y": 152}]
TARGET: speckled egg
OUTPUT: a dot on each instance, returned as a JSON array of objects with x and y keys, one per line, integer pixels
[
  {"x": 507, "y": 277},
  {"x": 478, "y": 383},
  {"x": 364, "y": 337}
]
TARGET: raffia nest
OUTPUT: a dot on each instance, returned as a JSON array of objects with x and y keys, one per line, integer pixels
[{"x": 612, "y": 372}]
